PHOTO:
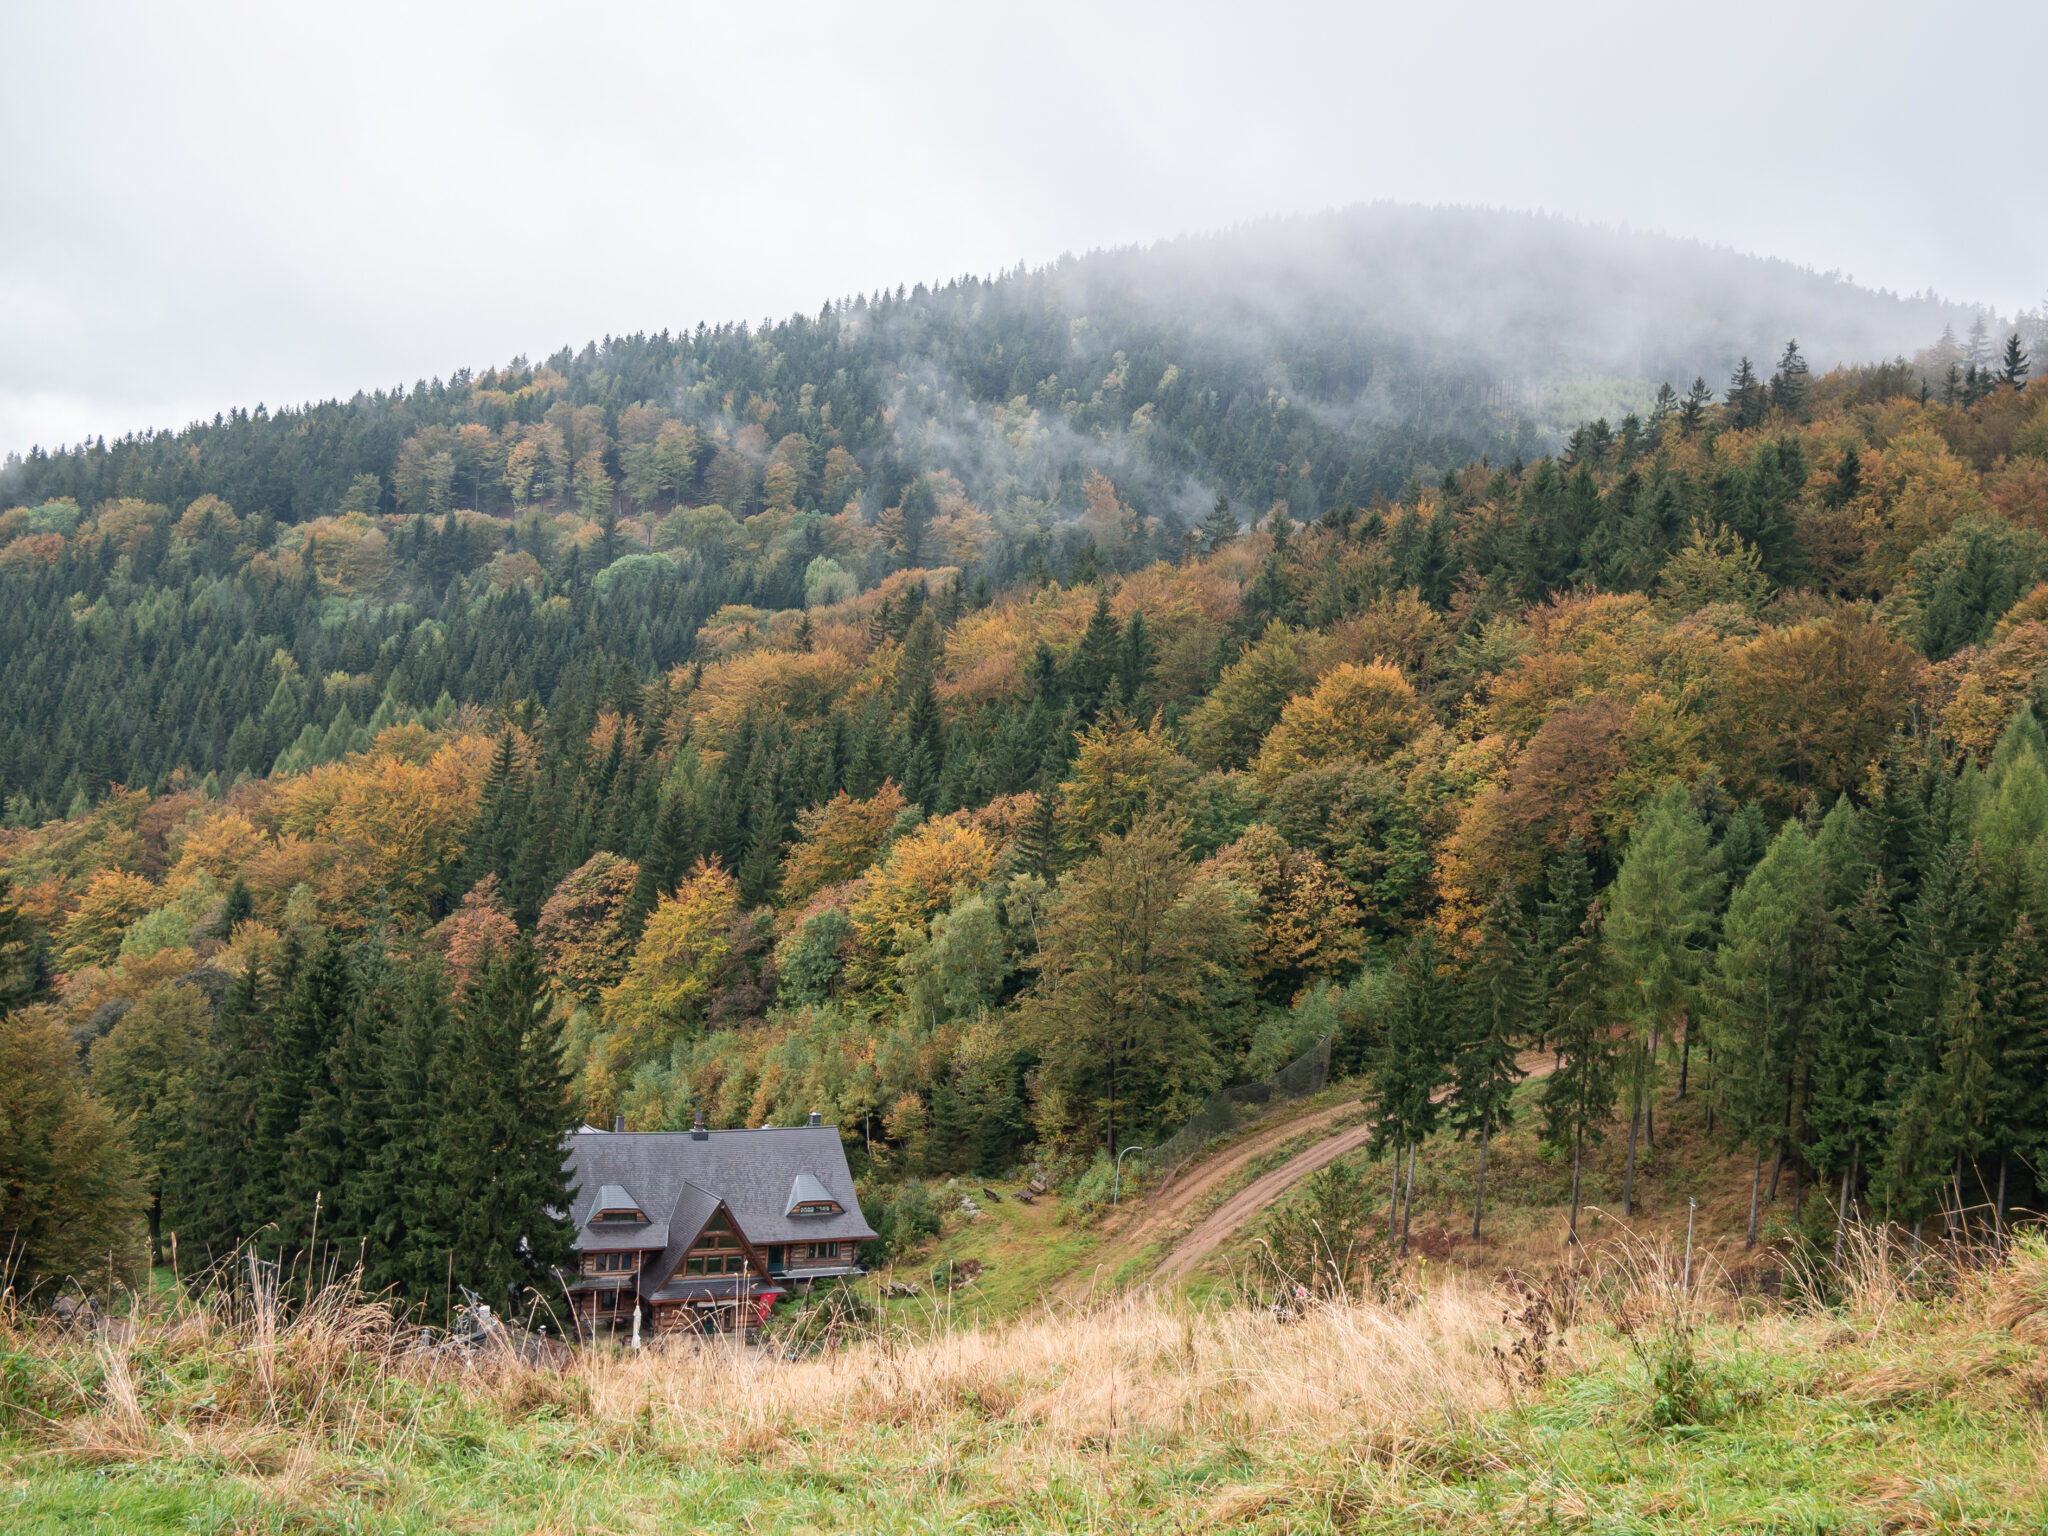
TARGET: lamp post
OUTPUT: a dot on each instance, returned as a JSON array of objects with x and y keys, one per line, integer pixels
[
  {"x": 1691, "y": 1209},
  {"x": 1117, "y": 1184}
]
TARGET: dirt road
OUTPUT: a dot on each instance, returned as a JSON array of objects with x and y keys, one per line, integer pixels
[
  {"x": 1157, "y": 1217},
  {"x": 1217, "y": 1227},
  {"x": 1247, "y": 1202}
]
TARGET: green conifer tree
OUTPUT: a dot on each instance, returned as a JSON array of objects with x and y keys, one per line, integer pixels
[
  {"x": 1846, "y": 1119},
  {"x": 498, "y": 1158},
  {"x": 1579, "y": 1096},
  {"x": 1663, "y": 912},
  {"x": 299, "y": 1146},
  {"x": 1412, "y": 1061},
  {"x": 1496, "y": 1017},
  {"x": 213, "y": 1193},
  {"x": 1767, "y": 985}
]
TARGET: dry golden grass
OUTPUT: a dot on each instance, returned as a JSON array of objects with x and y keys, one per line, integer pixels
[{"x": 1425, "y": 1411}]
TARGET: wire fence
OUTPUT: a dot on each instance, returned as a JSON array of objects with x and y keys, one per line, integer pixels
[{"x": 1228, "y": 1108}]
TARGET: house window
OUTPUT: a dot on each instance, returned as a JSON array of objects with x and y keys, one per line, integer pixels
[
  {"x": 819, "y": 1253},
  {"x": 621, "y": 1263},
  {"x": 715, "y": 1264},
  {"x": 818, "y": 1208},
  {"x": 619, "y": 1215}
]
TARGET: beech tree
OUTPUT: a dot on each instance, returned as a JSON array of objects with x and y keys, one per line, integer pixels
[
  {"x": 72, "y": 1192},
  {"x": 1138, "y": 961}
]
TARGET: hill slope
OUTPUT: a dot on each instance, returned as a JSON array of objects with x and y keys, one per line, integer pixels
[{"x": 1318, "y": 360}]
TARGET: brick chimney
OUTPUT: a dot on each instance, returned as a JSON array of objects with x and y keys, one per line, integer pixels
[
  {"x": 618, "y": 1123},
  {"x": 698, "y": 1131},
  {"x": 816, "y": 1118}
]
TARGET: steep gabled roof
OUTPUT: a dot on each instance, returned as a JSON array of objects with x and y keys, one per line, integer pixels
[
  {"x": 752, "y": 1172},
  {"x": 694, "y": 1207}
]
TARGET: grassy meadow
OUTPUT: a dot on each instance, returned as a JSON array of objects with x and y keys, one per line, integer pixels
[{"x": 1602, "y": 1398}]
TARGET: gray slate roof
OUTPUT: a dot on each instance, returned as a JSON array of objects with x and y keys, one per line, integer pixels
[{"x": 680, "y": 1180}]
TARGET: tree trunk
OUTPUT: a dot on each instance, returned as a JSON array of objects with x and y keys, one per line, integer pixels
[
  {"x": 1578, "y": 1151},
  {"x": 1998, "y": 1210},
  {"x": 1778, "y": 1157},
  {"x": 1756, "y": 1179},
  {"x": 1649, "y": 1095},
  {"x": 1408, "y": 1200},
  {"x": 1394, "y": 1200},
  {"x": 1479, "y": 1193},
  {"x": 1795, "y": 1189},
  {"x": 1628, "y": 1178},
  {"x": 1842, "y": 1205},
  {"x": 1685, "y": 1057}
]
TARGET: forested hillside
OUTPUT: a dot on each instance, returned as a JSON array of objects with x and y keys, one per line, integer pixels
[{"x": 657, "y": 731}]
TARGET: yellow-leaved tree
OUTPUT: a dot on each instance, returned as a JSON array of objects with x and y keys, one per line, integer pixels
[
  {"x": 669, "y": 982},
  {"x": 581, "y": 934},
  {"x": 1121, "y": 772},
  {"x": 113, "y": 899},
  {"x": 1305, "y": 920},
  {"x": 837, "y": 840},
  {"x": 1364, "y": 712},
  {"x": 923, "y": 875}
]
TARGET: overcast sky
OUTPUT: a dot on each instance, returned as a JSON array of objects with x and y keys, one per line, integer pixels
[{"x": 208, "y": 205}]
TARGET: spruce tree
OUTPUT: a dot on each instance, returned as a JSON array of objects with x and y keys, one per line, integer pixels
[
  {"x": 1579, "y": 1096},
  {"x": 1692, "y": 412},
  {"x": 1765, "y": 990},
  {"x": 1040, "y": 844},
  {"x": 1220, "y": 526},
  {"x": 1935, "y": 961},
  {"x": 1789, "y": 384},
  {"x": 1846, "y": 1118},
  {"x": 398, "y": 1198},
  {"x": 213, "y": 1194},
  {"x": 498, "y": 1157},
  {"x": 298, "y": 1143},
  {"x": 2018, "y": 1001},
  {"x": 236, "y": 908},
  {"x": 2014, "y": 366},
  {"x": 1411, "y": 1064},
  {"x": 1497, "y": 1010},
  {"x": 1561, "y": 912},
  {"x": 1095, "y": 659},
  {"x": 1746, "y": 397}
]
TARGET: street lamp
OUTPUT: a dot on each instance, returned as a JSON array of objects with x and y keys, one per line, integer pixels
[{"x": 1116, "y": 1185}]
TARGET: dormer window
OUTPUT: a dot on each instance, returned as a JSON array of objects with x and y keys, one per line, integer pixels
[
  {"x": 615, "y": 1205},
  {"x": 808, "y": 1196}
]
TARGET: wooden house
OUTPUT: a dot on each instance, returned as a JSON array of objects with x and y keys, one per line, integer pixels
[{"x": 707, "y": 1229}]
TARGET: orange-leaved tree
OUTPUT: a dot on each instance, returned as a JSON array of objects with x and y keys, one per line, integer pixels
[
  {"x": 1305, "y": 921},
  {"x": 837, "y": 840}
]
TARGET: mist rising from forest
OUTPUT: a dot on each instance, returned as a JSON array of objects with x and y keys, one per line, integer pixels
[{"x": 1401, "y": 337}]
